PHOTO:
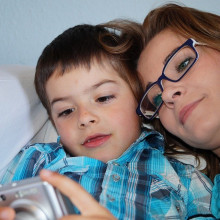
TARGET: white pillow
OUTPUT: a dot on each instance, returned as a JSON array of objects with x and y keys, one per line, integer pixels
[{"x": 22, "y": 116}]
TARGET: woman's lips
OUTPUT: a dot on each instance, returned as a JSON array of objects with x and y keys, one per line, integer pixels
[
  {"x": 95, "y": 140},
  {"x": 187, "y": 110}
]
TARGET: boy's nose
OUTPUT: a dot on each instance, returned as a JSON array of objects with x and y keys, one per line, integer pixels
[
  {"x": 84, "y": 124},
  {"x": 86, "y": 119}
]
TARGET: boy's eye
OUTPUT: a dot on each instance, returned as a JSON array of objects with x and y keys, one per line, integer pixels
[
  {"x": 105, "y": 98},
  {"x": 66, "y": 112}
]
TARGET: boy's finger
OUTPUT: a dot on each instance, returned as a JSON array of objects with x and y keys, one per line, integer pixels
[
  {"x": 7, "y": 213},
  {"x": 79, "y": 217},
  {"x": 87, "y": 205}
]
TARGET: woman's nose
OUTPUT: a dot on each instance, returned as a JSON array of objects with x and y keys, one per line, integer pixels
[{"x": 171, "y": 94}]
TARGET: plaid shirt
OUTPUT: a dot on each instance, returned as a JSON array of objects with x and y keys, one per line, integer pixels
[
  {"x": 216, "y": 197},
  {"x": 141, "y": 184}
]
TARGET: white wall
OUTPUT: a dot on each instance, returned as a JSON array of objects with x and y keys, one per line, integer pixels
[{"x": 27, "y": 26}]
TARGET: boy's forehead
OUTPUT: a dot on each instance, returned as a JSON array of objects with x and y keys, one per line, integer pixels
[
  {"x": 84, "y": 75},
  {"x": 102, "y": 63},
  {"x": 80, "y": 82},
  {"x": 87, "y": 63}
]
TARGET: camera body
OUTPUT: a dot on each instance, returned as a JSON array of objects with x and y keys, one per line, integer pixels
[{"x": 35, "y": 199}]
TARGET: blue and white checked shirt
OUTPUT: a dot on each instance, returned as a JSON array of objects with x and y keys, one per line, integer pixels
[
  {"x": 141, "y": 184},
  {"x": 216, "y": 197}
]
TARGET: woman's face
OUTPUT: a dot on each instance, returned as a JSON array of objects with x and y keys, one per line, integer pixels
[{"x": 191, "y": 108}]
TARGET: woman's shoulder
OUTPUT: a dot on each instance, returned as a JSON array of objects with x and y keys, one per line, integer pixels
[
  {"x": 215, "y": 206},
  {"x": 185, "y": 171}
]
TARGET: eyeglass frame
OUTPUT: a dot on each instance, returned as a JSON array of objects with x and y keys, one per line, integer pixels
[{"x": 191, "y": 43}]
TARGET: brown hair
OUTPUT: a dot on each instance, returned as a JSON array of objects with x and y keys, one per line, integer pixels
[
  {"x": 80, "y": 46},
  {"x": 189, "y": 23},
  {"x": 175, "y": 147}
]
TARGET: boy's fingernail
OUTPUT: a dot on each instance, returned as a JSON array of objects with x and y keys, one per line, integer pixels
[{"x": 46, "y": 173}]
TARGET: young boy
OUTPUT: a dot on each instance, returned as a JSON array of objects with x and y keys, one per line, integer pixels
[{"x": 89, "y": 86}]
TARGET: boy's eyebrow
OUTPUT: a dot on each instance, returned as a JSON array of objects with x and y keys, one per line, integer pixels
[
  {"x": 102, "y": 82},
  {"x": 58, "y": 100},
  {"x": 95, "y": 86}
]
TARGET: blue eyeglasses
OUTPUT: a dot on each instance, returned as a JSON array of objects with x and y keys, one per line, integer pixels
[{"x": 175, "y": 68}]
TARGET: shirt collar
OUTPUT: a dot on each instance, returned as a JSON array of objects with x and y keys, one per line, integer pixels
[{"x": 146, "y": 140}]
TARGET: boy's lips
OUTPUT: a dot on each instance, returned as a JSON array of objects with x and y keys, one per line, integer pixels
[
  {"x": 96, "y": 140},
  {"x": 186, "y": 111}
]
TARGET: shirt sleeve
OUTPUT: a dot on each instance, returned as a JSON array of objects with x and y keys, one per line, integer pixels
[
  {"x": 199, "y": 197},
  {"x": 27, "y": 163},
  {"x": 215, "y": 205}
]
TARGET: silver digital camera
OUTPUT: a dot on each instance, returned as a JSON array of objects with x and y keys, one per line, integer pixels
[{"x": 34, "y": 199}]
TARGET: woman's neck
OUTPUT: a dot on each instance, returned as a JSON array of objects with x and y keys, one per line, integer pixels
[{"x": 217, "y": 151}]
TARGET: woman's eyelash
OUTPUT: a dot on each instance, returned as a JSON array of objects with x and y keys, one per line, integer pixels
[
  {"x": 184, "y": 64},
  {"x": 66, "y": 112}
]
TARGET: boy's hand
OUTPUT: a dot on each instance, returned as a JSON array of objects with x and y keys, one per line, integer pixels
[
  {"x": 7, "y": 213},
  {"x": 88, "y": 206}
]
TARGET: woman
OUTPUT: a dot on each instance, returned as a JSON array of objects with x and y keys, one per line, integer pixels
[
  {"x": 180, "y": 65},
  {"x": 169, "y": 23}
]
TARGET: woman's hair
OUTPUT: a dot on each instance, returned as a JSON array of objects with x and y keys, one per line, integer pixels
[
  {"x": 190, "y": 23},
  {"x": 176, "y": 148},
  {"x": 80, "y": 46}
]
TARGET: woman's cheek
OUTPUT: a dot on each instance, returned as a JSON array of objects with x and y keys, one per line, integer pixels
[{"x": 168, "y": 121}]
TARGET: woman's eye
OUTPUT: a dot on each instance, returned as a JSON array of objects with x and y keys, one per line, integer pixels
[
  {"x": 66, "y": 112},
  {"x": 105, "y": 98},
  {"x": 184, "y": 65},
  {"x": 157, "y": 100}
]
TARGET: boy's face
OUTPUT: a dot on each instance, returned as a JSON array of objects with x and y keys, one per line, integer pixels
[{"x": 93, "y": 111}]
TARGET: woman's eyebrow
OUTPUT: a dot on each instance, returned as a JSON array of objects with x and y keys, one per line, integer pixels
[
  {"x": 169, "y": 55},
  {"x": 148, "y": 84}
]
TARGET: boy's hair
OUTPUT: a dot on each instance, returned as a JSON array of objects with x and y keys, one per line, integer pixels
[{"x": 81, "y": 45}]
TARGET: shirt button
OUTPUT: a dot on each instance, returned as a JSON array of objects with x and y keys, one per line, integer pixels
[
  {"x": 178, "y": 208},
  {"x": 115, "y": 164},
  {"x": 116, "y": 177},
  {"x": 110, "y": 198}
]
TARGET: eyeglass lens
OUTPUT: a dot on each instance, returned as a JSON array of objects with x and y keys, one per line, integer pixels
[{"x": 174, "y": 69}]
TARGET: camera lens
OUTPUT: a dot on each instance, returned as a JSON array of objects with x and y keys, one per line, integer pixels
[
  {"x": 3, "y": 197},
  {"x": 28, "y": 209},
  {"x": 21, "y": 215}
]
